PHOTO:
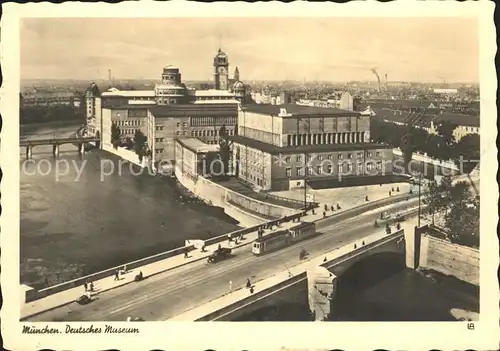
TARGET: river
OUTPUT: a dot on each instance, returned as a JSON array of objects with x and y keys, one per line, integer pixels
[{"x": 78, "y": 222}]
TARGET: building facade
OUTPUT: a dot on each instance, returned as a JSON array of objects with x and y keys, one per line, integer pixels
[
  {"x": 202, "y": 122},
  {"x": 50, "y": 98},
  {"x": 281, "y": 147},
  {"x": 194, "y": 158},
  {"x": 171, "y": 110}
]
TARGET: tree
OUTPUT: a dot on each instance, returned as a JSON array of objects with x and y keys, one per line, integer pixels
[
  {"x": 445, "y": 130},
  {"x": 140, "y": 145},
  {"x": 115, "y": 135},
  {"x": 434, "y": 199},
  {"x": 444, "y": 189},
  {"x": 224, "y": 148},
  {"x": 467, "y": 153},
  {"x": 407, "y": 150},
  {"x": 463, "y": 224},
  {"x": 460, "y": 194}
]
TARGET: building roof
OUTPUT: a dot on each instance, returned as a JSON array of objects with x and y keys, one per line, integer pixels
[
  {"x": 190, "y": 110},
  {"x": 228, "y": 101},
  {"x": 271, "y": 149},
  {"x": 141, "y": 102},
  {"x": 196, "y": 145},
  {"x": 129, "y": 93},
  {"x": 425, "y": 119},
  {"x": 128, "y": 106},
  {"x": 210, "y": 92},
  {"x": 298, "y": 110},
  {"x": 48, "y": 94}
]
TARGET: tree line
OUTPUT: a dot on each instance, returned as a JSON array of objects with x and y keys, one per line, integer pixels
[
  {"x": 460, "y": 207},
  {"x": 44, "y": 114},
  {"x": 441, "y": 146}
]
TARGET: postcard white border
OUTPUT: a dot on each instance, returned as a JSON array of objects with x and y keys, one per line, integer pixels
[{"x": 254, "y": 336}]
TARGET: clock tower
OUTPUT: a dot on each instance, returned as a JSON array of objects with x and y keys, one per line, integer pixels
[{"x": 221, "y": 71}]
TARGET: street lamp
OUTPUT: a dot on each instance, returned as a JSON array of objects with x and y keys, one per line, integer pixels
[
  {"x": 305, "y": 180},
  {"x": 419, "y": 194}
]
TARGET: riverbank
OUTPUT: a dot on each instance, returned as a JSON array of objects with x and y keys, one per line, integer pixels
[
  {"x": 79, "y": 225},
  {"x": 47, "y": 127}
]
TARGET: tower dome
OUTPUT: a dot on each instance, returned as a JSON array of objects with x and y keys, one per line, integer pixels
[{"x": 238, "y": 85}]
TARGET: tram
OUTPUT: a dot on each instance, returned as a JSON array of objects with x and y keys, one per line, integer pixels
[{"x": 283, "y": 238}]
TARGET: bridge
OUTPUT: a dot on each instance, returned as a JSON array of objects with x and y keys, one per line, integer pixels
[
  {"x": 56, "y": 142},
  {"x": 203, "y": 282},
  {"x": 319, "y": 284}
]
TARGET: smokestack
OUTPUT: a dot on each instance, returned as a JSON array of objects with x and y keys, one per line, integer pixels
[
  {"x": 386, "y": 82},
  {"x": 374, "y": 70},
  {"x": 109, "y": 75}
]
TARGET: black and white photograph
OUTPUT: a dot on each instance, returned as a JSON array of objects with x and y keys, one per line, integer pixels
[{"x": 249, "y": 167}]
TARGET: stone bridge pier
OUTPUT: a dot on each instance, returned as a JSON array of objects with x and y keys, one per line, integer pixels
[{"x": 321, "y": 287}]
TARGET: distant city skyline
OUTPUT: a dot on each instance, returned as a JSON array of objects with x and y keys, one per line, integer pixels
[{"x": 274, "y": 49}]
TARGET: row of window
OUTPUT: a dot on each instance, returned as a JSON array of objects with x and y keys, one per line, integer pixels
[
  {"x": 128, "y": 123},
  {"x": 359, "y": 155},
  {"x": 128, "y": 131},
  {"x": 329, "y": 169},
  {"x": 166, "y": 102},
  {"x": 212, "y": 121}
]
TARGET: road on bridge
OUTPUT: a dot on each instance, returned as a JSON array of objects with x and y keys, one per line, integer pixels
[{"x": 168, "y": 294}]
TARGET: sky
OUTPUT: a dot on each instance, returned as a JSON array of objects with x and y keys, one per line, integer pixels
[{"x": 331, "y": 49}]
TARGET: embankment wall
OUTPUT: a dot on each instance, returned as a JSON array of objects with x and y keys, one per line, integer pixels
[{"x": 448, "y": 258}]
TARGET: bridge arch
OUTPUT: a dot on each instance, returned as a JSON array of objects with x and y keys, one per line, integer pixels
[
  {"x": 279, "y": 312},
  {"x": 364, "y": 274}
]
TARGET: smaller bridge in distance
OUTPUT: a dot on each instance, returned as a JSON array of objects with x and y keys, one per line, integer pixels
[{"x": 78, "y": 141}]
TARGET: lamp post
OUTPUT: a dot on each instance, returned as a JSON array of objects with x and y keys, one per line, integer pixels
[
  {"x": 419, "y": 194},
  {"x": 305, "y": 181}
]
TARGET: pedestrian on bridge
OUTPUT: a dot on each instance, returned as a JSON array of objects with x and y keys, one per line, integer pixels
[
  {"x": 117, "y": 275},
  {"x": 249, "y": 284},
  {"x": 332, "y": 208},
  {"x": 230, "y": 286},
  {"x": 85, "y": 286}
]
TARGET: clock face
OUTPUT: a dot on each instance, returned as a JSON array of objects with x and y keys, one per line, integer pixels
[{"x": 222, "y": 70}]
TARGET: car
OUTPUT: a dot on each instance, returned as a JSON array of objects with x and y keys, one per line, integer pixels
[
  {"x": 83, "y": 300},
  {"x": 219, "y": 254},
  {"x": 389, "y": 219},
  {"x": 135, "y": 319}
]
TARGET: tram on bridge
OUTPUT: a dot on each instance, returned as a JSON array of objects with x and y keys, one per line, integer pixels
[{"x": 283, "y": 238}]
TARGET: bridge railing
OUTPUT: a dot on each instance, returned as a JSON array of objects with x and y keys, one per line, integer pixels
[
  {"x": 368, "y": 246},
  {"x": 256, "y": 296},
  {"x": 108, "y": 272}
]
